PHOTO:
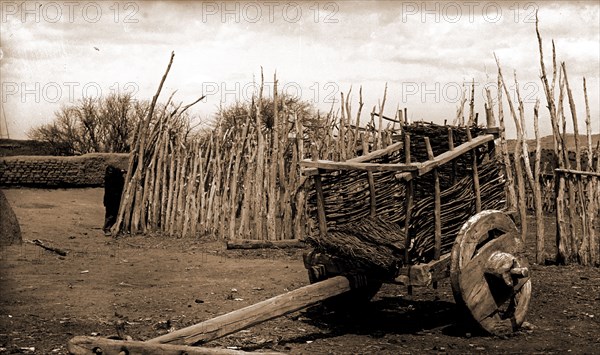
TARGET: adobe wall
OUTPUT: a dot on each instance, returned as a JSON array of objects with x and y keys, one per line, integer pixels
[{"x": 54, "y": 171}]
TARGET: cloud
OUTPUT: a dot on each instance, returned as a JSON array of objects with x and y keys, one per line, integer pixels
[{"x": 329, "y": 47}]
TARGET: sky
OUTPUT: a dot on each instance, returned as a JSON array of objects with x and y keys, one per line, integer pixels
[{"x": 56, "y": 53}]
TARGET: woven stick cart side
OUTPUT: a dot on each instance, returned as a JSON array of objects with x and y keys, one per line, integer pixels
[{"x": 428, "y": 207}]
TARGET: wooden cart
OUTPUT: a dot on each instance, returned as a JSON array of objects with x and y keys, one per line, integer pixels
[
  {"x": 409, "y": 214},
  {"x": 414, "y": 214}
]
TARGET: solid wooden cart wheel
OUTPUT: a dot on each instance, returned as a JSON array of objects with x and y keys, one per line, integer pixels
[
  {"x": 489, "y": 273},
  {"x": 322, "y": 266}
]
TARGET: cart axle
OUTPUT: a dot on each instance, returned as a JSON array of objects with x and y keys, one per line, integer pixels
[{"x": 505, "y": 266}]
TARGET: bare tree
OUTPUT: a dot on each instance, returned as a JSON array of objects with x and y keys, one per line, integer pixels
[{"x": 92, "y": 125}]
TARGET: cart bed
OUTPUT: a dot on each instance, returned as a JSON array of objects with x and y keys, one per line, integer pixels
[{"x": 347, "y": 198}]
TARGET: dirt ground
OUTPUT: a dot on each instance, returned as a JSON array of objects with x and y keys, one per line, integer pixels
[{"x": 149, "y": 284}]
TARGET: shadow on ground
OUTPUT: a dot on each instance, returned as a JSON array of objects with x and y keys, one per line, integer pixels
[{"x": 385, "y": 316}]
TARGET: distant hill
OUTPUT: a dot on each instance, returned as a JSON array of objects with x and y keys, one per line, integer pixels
[
  {"x": 12, "y": 147},
  {"x": 548, "y": 160},
  {"x": 548, "y": 143}
]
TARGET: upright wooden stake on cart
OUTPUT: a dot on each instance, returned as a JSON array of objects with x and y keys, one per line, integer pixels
[
  {"x": 320, "y": 198},
  {"x": 437, "y": 207},
  {"x": 451, "y": 148},
  {"x": 371, "y": 179},
  {"x": 474, "y": 167},
  {"x": 379, "y": 141},
  {"x": 409, "y": 205}
]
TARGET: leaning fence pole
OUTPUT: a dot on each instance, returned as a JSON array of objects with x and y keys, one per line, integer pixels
[
  {"x": 217, "y": 181},
  {"x": 258, "y": 205},
  {"x": 239, "y": 149},
  {"x": 273, "y": 187},
  {"x": 357, "y": 123},
  {"x": 146, "y": 208},
  {"x": 584, "y": 252},
  {"x": 194, "y": 181},
  {"x": 510, "y": 183},
  {"x": 350, "y": 146},
  {"x": 244, "y": 229},
  {"x": 178, "y": 192},
  {"x": 592, "y": 186},
  {"x": 539, "y": 213},
  {"x": 381, "y": 106},
  {"x": 138, "y": 153},
  {"x": 471, "y": 121},
  {"x": 564, "y": 219},
  {"x": 299, "y": 222},
  {"x": 161, "y": 163},
  {"x": 124, "y": 216},
  {"x": 578, "y": 242},
  {"x": 517, "y": 158},
  {"x": 534, "y": 185},
  {"x": 190, "y": 201},
  {"x": 167, "y": 185},
  {"x": 227, "y": 201},
  {"x": 288, "y": 180},
  {"x": 340, "y": 144},
  {"x": 562, "y": 254}
]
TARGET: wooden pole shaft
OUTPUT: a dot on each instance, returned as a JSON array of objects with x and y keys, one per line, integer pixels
[
  {"x": 257, "y": 313},
  {"x": 577, "y": 172},
  {"x": 84, "y": 345}
]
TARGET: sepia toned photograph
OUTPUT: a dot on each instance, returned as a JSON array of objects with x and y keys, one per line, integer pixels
[{"x": 299, "y": 177}]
